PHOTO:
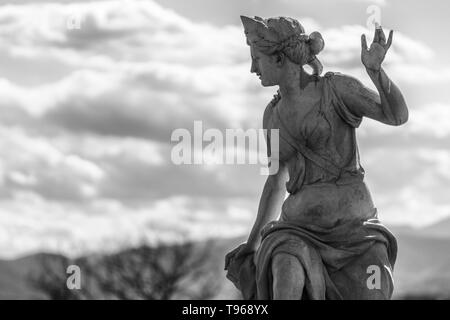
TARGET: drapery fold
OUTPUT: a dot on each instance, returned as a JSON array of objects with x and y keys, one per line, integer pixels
[{"x": 337, "y": 261}]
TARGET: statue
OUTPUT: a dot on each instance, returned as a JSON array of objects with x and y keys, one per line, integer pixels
[{"x": 327, "y": 242}]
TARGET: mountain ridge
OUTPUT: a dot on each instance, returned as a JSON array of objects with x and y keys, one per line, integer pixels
[{"x": 422, "y": 268}]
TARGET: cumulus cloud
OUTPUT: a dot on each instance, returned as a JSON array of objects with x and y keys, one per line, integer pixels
[
  {"x": 404, "y": 190},
  {"x": 32, "y": 163},
  {"x": 87, "y": 116},
  {"x": 31, "y": 224}
]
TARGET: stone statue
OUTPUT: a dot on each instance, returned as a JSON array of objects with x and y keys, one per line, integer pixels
[{"x": 327, "y": 242}]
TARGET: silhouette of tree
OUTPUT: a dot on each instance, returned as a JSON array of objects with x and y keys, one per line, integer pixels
[
  {"x": 150, "y": 273},
  {"x": 51, "y": 277}
]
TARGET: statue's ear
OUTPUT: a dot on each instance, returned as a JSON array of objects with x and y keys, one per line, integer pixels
[{"x": 280, "y": 58}]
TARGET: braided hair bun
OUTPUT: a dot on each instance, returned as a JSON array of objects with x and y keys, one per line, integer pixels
[{"x": 316, "y": 43}]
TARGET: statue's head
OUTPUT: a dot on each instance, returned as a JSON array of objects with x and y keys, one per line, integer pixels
[{"x": 274, "y": 40}]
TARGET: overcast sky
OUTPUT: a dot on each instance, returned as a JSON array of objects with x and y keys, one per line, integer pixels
[{"x": 87, "y": 114}]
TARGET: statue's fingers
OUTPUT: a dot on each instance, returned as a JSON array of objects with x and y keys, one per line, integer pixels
[
  {"x": 389, "y": 42},
  {"x": 382, "y": 37},
  {"x": 376, "y": 35},
  {"x": 363, "y": 42}
]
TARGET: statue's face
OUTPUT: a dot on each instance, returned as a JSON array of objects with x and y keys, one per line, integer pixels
[{"x": 265, "y": 67}]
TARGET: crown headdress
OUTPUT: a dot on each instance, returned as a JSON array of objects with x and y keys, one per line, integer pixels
[{"x": 285, "y": 35}]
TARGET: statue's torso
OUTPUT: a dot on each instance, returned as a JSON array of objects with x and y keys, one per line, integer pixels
[{"x": 315, "y": 195}]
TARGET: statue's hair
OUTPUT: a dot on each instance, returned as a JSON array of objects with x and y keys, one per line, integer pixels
[{"x": 285, "y": 35}]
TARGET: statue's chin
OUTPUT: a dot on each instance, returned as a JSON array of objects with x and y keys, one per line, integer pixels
[
  {"x": 265, "y": 84},
  {"x": 268, "y": 81}
]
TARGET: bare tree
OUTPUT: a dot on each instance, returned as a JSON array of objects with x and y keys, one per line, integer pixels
[
  {"x": 164, "y": 272},
  {"x": 51, "y": 278},
  {"x": 150, "y": 273}
]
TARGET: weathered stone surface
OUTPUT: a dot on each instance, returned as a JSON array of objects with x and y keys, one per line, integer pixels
[{"x": 327, "y": 241}]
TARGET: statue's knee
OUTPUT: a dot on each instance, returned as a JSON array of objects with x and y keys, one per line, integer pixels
[
  {"x": 286, "y": 265},
  {"x": 288, "y": 277},
  {"x": 280, "y": 259}
]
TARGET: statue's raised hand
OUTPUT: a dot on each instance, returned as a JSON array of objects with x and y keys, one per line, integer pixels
[{"x": 374, "y": 56}]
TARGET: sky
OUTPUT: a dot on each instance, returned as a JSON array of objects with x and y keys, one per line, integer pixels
[{"x": 87, "y": 115}]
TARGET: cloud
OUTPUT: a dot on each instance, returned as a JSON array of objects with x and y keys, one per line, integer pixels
[
  {"x": 33, "y": 163},
  {"x": 402, "y": 189},
  {"x": 87, "y": 116},
  {"x": 407, "y": 60},
  {"x": 31, "y": 224},
  {"x": 377, "y": 2},
  {"x": 149, "y": 102}
]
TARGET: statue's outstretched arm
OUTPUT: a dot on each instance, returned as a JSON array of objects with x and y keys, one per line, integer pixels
[{"x": 388, "y": 106}]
